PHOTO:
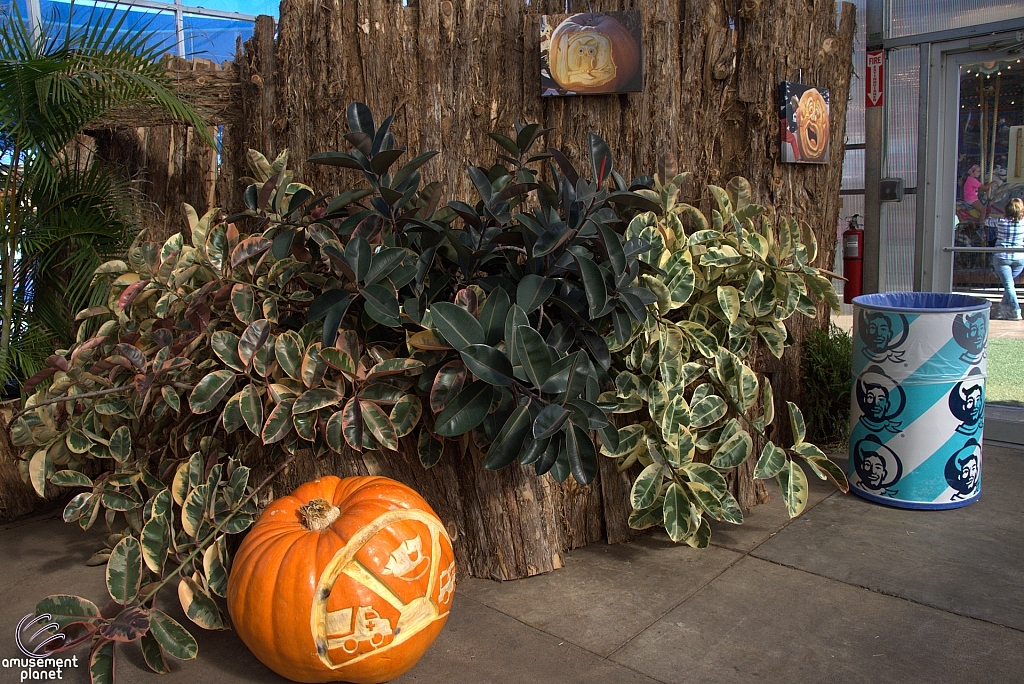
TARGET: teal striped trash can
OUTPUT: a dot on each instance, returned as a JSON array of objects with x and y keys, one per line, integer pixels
[{"x": 917, "y": 406}]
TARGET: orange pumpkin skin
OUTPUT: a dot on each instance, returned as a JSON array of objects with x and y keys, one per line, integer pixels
[
  {"x": 592, "y": 54},
  {"x": 360, "y": 600}
]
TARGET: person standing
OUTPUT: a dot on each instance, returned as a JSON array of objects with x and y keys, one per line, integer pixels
[{"x": 1009, "y": 265}]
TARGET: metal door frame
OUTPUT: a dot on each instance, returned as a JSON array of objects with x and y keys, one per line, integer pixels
[{"x": 937, "y": 149}]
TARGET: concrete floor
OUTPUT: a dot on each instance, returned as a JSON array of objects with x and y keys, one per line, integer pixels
[{"x": 849, "y": 592}]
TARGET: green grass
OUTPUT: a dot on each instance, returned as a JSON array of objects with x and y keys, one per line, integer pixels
[{"x": 1005, "y": 383}]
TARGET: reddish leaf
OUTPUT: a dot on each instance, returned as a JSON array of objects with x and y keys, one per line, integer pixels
[
  {"x": 467, "y": 299},
  {"x": 91, "y": 343},
  {"x": 133, "y": 354},
  {"x": 248, "y": 248},
  {"x": 129, "y": 625},
  {"x": 447, "y": 384},
  {"x": 131, "y": 292},
  {"x": 38, "y": 378}
]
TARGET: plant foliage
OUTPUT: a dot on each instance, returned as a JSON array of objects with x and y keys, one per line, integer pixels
[
  {"x": 513, "y": 325},
  {"x": 827, "y": 360},
  {"x": 62, "y": 212}
]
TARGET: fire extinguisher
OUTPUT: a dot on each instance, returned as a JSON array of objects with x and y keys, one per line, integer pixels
[{"x": 853, "y": 259}]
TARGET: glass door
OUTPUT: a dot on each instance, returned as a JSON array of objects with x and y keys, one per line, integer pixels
[{"x": 989, "y": 173}]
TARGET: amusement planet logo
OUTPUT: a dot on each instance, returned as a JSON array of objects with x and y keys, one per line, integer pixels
[{"x": 36, "y": 665}]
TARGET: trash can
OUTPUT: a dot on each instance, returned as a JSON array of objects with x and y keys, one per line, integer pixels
[{"x": 917, "y": 406}]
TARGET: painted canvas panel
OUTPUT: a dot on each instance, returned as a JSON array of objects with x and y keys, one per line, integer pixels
[
  {"x": 591, "y": 53},
  {"x": 804, "y": 120}
]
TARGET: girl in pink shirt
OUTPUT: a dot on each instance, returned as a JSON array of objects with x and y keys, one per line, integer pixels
[{"x": 972, "y": 186}]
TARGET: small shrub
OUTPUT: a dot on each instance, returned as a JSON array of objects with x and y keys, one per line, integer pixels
[{"x": 826, "y": 370}]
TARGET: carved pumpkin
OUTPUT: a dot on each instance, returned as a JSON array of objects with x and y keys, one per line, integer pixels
[
  {"x": 343, "y": 580},
  {"x": 592, "y": 53},
  {"x": 812, "y": 125}
]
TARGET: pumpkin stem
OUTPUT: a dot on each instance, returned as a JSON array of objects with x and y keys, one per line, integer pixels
[{"x": 318, "y": 514}]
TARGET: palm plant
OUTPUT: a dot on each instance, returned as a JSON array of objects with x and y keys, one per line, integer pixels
[{"x": 62, "y": 213}]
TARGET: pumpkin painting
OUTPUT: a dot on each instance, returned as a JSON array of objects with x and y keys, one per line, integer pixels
[
  {"x": 594, "y": 53},
  {"x": 344, "y": 580}
]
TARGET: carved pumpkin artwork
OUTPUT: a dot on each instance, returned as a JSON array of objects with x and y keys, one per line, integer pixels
[
  {"x": 812, "y": 125},
  {"x": 593, "y": 53},
  {"x": 343, "y": 580}
]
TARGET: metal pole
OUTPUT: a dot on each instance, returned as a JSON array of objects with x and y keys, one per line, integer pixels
[
  {"x": 179, "y": 28},
  {"x": 35, "y": 17},
  {"x": 924, "y": 69},
  {"x": 874, "y": 139}
]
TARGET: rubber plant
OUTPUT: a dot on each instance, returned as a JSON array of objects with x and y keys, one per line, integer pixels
[
  {"x": 723, "y": 287},
  {"x": 347, "y": 321},
  {"x": 315, "y": 323}
]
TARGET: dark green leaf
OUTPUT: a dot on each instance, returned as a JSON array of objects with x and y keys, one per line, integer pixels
[
  {"x": 516, "y": 317},
  {"x": 458, "y": 327},
  {"x": 358, "y": 253},
  {"x": 383, "y": 263},
  {"x": 381, "y": 304},
  {"x": 582, "y": 454},
  {"x": 382, "y": 161},
  {"x": 488, "y": 364},
  {"x": 549, "y": 421},
  {"x": 325, "y": 302},
  {"x": 533, "y": 355},
  {"x": 465, "y": 411},
  {"x": 493, "y": 314},
  {"x": 593, "y": 284},
  {"x": 429, "y": 449},
  {"x": 508, "y": 445},
  {"x": 533, "y": 291}
]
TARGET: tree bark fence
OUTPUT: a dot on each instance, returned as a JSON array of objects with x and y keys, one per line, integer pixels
[{"x": 453, "y": 70}]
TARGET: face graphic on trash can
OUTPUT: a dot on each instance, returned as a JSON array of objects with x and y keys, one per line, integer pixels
[
  {"x": 963, "y": 469},
  {"x": 967, "y": 404},
  {"x": 880, "y": 400},
  {"x": 971, "y": 333},
  {"x": 882, "y": 334},
  {"x": 878, "y": 467}
]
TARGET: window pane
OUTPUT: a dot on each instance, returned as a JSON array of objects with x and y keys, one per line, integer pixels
[
  {"x": 910, "y": 17},
  {"x": 252, "y": 7},
  {"x": 158, "y": 25},
  {"x": 212, "y": 38},
  {"x": 903, "y": 91}
]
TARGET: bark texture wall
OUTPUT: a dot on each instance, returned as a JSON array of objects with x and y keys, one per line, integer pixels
[
  {"x": 170, "y": 164},
  {"x": 452, "y": 71}
]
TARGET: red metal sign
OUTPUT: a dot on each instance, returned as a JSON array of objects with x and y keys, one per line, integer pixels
[{"x": 874, "y": 89}]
